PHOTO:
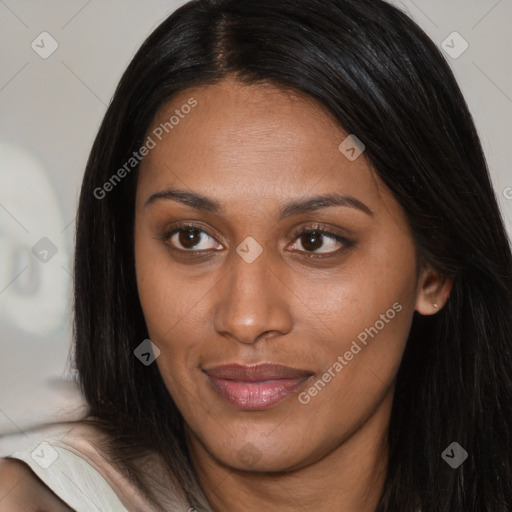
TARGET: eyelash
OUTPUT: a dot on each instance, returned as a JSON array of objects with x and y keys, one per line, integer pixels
[{"x": 297, "y": 234}]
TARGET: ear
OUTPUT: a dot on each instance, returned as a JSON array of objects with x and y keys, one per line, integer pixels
[{"x": 433, "y": 292}]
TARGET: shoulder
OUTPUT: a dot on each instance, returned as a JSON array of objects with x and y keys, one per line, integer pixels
[
  {"x": 68, "y": 460},
  {"x": 44, "y": 473},
  {"x": 72, "y": 460},
  {"x": 22, "y": 491}
]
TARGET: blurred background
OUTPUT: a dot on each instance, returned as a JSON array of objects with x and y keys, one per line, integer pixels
[{"x": 60, "y": 63}]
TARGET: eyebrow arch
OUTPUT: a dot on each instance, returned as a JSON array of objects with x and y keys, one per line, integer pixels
[{"x": 203, "y": 203}]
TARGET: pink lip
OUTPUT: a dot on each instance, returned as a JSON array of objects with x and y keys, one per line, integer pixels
[{"x": 256, "y": 387}]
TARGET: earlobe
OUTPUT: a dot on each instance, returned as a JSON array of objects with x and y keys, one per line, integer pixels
[{"x": 433, "y": 292}]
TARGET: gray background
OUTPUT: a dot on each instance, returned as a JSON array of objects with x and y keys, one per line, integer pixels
[{"x": 50, "y": 110}]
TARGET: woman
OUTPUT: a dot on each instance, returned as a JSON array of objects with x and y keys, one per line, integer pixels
[{"x": 292, "y": 280}]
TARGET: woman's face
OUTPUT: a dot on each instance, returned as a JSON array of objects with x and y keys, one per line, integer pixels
[{"x": 297, "y": 257}]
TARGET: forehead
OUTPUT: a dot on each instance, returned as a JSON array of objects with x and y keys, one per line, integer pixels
[{"x": 240, "y": 142}]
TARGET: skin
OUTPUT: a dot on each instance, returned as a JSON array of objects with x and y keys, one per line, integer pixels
[
  {"x": 253, "y": 149},
  {"x": 22, "y": 491}
]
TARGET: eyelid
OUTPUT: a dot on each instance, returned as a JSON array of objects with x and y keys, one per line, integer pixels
[{"x": 319, "y": 228}]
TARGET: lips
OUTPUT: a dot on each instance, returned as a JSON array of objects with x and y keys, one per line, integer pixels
[{"x": 256, "y": 387}]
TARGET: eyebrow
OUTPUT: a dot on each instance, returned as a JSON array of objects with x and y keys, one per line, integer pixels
[{"x": 205, "y": 204}]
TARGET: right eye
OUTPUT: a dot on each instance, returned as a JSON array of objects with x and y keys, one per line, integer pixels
[{"x": 187, "y": 238}]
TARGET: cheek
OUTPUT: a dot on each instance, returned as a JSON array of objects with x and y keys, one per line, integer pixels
[
  {"x": 359, "y": 364},
  {"x": 343, "y": 305},
  {"x": 360, "y": 349},
  {"x": 163, "y": 292},
  {"x": 173, "y": 304},
  {"x": 364, "y": 319}
]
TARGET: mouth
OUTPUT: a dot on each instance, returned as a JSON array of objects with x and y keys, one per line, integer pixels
[{"x": 256, "y": 387}]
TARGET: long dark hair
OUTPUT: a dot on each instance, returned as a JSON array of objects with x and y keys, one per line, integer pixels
[{"x": 384, "y": 80}]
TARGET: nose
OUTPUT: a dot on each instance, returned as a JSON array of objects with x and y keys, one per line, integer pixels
[{"x": 252, "y": 301}]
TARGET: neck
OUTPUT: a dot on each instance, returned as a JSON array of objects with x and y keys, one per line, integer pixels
[{"x": 346, "y": 479}]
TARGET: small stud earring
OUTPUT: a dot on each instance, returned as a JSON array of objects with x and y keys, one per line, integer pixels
[{"x": 436, "y": 306}]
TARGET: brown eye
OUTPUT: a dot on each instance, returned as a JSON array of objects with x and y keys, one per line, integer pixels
[
  {"x": 320, "y": 242},
  {"x": 312, "y": 241},
  {"x": 190, "y": 239}
]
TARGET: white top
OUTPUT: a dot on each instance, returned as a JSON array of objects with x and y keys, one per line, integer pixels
[
  {"x": 71, "y": 478},
  {"x": 68, "y": 463}
]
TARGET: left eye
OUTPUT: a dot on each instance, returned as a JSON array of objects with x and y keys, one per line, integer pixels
[{"x": 314, "y": 239}]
